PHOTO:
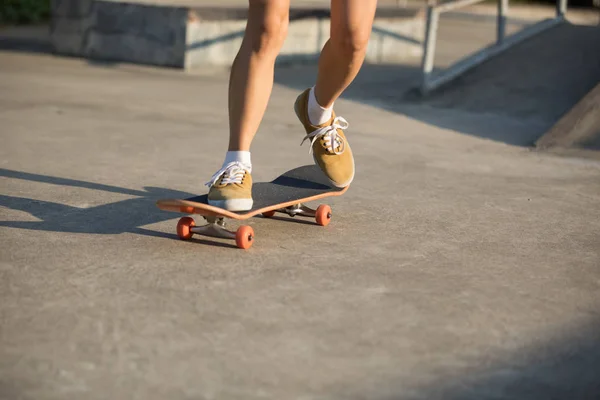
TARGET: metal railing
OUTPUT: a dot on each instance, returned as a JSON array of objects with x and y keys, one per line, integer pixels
[{"x": 432, "y": 81}]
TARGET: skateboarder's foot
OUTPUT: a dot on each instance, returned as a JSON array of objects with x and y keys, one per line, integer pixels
[
  {"x": 231, "y": 188},
  {"x": 329, "y": 146}
]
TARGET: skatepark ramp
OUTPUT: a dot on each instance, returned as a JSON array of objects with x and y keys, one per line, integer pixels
[
  {"x": 578, "y": 128},
  {"x": 503, "y": 42},
  {"x": 543, "y": 87}
]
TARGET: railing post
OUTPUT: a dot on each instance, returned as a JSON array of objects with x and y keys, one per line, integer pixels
[
  {"x": 561, "y": 8},
  {"x": 430, "y": 39},
  {"x": 501, "y": 24}
]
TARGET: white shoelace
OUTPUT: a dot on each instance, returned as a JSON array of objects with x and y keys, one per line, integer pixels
[
  {"x": 232, "y": 173},
  {"x": 329, "y": 133}
]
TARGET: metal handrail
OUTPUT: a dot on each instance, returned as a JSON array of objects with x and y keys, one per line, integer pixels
[{"x": 431, "y": 82}]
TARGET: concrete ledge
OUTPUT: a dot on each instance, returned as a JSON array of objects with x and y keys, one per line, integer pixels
[
  {"x": 187, "y": 36},
  {"x": 134, "y": 33},
  {"x": 580, "y": 127}
]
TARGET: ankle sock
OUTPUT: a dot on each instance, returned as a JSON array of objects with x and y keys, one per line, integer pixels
[
  {"x": 317, "y": 114},
  {"x": 240, "y": 156}
]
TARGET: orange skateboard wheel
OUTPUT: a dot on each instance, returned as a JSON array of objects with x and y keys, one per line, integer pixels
[
  {"x": 268, "y": 214},
  {"x": 183, "y": 228},
  {"x": 244, "y": 237},
  {"x": 323, "y": 215}
]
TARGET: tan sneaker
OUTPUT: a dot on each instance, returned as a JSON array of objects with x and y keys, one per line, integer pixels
[
  {"x": 329, "y": 146},
  {"x": 231, "y": 188}
]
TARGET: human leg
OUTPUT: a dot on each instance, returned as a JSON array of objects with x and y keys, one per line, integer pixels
[
  {"x": 250, "y": 85},
  {"x": 344, "y": 53},
  {"x": 341, "y": 59},
  {"x": 251, "y": 79}
]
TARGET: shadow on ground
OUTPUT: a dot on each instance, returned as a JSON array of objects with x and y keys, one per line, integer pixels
[
  {"x": 567, "y": 367},
  {"x": 535, "y": 82},
  {"x": 108, "y": 219}
]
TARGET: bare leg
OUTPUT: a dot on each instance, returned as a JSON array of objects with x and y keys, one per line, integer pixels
[
  {"x": 251, "y": 79},
  {"x": 344, "y": 53}
]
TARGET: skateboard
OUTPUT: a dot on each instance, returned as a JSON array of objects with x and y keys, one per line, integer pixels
[{"x": 285, "y": 194}]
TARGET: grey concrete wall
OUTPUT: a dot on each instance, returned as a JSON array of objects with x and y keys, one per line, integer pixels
[
  {"x": 217, "y": 42},
  {"x": 169, "y": 35},
  {"x": 135, "y": 33}
]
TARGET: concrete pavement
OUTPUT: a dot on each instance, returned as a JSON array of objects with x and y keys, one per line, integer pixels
[{"x": 456, "y": 267}]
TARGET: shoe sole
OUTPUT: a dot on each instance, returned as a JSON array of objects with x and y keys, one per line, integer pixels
[{"x": 233, "y": 204}]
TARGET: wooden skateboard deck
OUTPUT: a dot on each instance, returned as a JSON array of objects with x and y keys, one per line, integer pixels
[{"x": 285, "y": 194}]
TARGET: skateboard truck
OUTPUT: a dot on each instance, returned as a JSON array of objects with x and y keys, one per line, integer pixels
[
  {"x": 244, "y": 236},
  {"x": 215, "y": 227},
  {"x": 324, "y": 212},
  {"x": 301, "y": 210}
]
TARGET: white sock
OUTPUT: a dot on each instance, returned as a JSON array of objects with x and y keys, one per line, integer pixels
[
  {"x": 317, "y": 114},
  {"x": 240, "y": 156}
]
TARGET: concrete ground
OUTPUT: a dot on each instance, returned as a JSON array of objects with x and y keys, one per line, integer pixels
[{"x": 456, "y": 267}]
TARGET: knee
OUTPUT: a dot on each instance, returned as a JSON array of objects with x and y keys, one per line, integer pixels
[
  {"x": 268, "y": 31},
  {"x": 352, "y": 42}
]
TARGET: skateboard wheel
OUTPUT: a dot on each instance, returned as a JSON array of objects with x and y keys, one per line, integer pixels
[
  {"x": 323, "y": 215},
  {"x": 268, "y": 214},
  {"x": 183, "y": 228},
  {"x": 244, "y": 237}
]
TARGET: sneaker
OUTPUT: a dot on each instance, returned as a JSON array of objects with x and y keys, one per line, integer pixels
[
  {"x": 231, "y": 188},
  {"x": 329, "y": 146}
]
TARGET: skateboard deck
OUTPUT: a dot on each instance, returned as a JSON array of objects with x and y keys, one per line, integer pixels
[{"x": 285, "y": 194}]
